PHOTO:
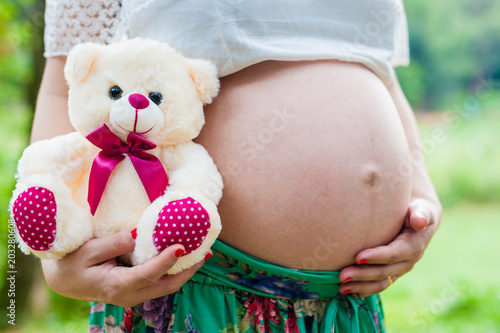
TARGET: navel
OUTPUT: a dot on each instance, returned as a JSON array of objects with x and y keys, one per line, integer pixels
[{"x": 370, "y": 175}]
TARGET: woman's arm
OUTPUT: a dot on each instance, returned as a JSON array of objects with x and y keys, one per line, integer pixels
[
  {"x": 375, "y": 265},
  {"x": 51, "y": 115},
  {"x": 92, "y": 273}
]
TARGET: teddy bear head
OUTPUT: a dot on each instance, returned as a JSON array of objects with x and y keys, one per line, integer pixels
[{"x": 140, "y": 86}]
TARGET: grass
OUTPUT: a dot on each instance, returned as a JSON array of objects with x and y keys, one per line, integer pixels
[
  {"x": 454, "y": 288},
  {"x": 53, "y": 324}
]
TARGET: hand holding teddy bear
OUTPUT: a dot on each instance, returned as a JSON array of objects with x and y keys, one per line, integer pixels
[{"x": 136, "y": 106}]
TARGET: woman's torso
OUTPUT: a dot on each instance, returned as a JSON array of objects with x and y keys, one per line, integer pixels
[
  {"x": 310, "y": 151},
  {"x": 311, "y": 154}
]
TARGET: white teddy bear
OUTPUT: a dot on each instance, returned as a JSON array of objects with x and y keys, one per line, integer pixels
[{"x": 136, "y": 106}]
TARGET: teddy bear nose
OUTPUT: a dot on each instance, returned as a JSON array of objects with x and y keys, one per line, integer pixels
[{"x": 138, "y": 101}]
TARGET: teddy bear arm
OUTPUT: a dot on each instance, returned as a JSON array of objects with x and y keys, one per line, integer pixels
[
  {"x": 65, "y": 156},
  {"x": 193, "y": 170}
]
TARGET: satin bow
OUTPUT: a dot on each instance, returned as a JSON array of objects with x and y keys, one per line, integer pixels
[{"x": 148, "y": 167}]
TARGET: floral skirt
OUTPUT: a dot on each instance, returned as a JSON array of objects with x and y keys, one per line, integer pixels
[{"x": 237, "y": 293}]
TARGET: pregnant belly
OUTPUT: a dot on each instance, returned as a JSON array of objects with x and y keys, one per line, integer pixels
[{"x": 311, "y": 156}]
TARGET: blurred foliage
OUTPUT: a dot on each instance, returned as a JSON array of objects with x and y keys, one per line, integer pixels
[
  {"x": 20, "y": 32},
  {"x": 21, "y": 46},
  {"x": 455, "y": 52},
  {"x": 464, "y": 162},
  {"x": 454, "y": 47},
  {"x": 21, "y": 64}
]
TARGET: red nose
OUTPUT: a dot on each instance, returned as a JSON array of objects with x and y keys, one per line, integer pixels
[{"x": 138, "y": 101}]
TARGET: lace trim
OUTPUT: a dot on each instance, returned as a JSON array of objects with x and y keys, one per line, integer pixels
[{"x": 71, "y": 22}]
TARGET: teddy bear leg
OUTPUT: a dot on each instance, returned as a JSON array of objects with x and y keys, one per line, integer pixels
[
  {"x": 34, "y": 212},
  {"x": 49, "y": 222},
  {"x": 183, "y": 222},
  {"x": 192, "y": 221}
]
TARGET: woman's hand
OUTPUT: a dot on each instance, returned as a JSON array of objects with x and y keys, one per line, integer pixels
[
  {"x": 92, "y": 273},
  {"x": 376, "y": 265}
]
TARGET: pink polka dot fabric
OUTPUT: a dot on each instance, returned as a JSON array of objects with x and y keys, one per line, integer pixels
[
  {"x": 183, "y": 222},
  {"x": 35, "y": 215}
]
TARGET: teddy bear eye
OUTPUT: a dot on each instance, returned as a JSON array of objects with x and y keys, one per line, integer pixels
[
  {"x": 156, "y": 97},
  {"x": 115, "y": 93}
]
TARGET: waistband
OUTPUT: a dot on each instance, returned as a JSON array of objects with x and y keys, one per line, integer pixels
[{"x": 235, "y": 269}]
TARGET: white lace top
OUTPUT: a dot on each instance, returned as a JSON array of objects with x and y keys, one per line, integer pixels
[{"x": 235, "y": 34}]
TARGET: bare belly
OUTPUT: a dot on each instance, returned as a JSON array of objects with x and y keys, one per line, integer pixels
[{"x": 308, "y": 152}]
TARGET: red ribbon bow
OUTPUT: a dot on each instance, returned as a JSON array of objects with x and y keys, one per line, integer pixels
[{"x": 148, "y": 167}]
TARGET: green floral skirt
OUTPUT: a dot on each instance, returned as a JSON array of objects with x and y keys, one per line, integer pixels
[{"x": 237, "y": 293}]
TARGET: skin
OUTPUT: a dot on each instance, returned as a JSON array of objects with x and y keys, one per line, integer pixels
[
  {"x": 384, "y": 239},
  {"x": 423, "y": 218}
]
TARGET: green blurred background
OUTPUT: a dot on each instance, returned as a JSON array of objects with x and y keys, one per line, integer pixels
[{"x": 453, "y": 84}]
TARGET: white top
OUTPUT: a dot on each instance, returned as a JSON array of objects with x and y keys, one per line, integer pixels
[{"x": 235, "y": 34}]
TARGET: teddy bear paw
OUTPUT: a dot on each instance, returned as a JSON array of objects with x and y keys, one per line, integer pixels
[
  {"x": 183, "y": 222},
  {"x": 35, "y": 215}
]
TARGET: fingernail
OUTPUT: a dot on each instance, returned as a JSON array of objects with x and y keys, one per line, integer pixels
[
  {"x": 134, "y": 233},
  {"x": 422, "y": 217},
  {"x": 347, "y": 291},
  {"x": 362, "y": 261},
  {"x": 347, "y": 280},
  {"x": 179, "y": 252},
  {"x": 208, "y": 256}
]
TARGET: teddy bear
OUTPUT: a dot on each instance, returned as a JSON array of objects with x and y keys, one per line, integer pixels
[{"x": 136, "y": 106}]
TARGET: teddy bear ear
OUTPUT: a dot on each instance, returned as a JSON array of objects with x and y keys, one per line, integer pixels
[
  {"x": 80, "y": 61},
  {"x": 204, "y": 75}
]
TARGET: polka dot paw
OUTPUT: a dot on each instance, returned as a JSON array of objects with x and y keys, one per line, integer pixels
[
  {"x": 35, "y": 216},
  {"x": 183, "y": 222}
]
